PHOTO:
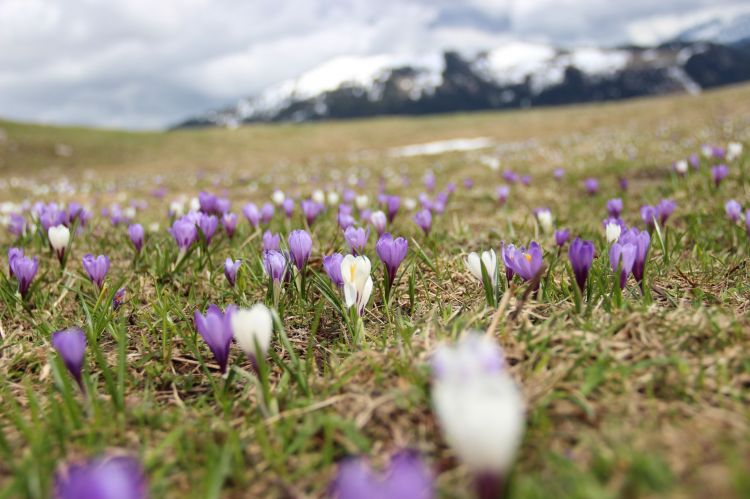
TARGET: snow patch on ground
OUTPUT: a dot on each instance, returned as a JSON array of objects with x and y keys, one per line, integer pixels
[{"x": 440, "y": 147}]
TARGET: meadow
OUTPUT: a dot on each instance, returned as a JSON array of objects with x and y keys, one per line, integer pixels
[{"x": 592, "y": 369}]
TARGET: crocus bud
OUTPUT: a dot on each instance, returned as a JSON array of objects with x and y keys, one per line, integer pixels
[
  {"x": 118, "y": 298},
  {"x": 319, "y": 196},
  {"x": 253, "y": 329},
  {"x": 252, "y": 214},
  {"x": 423, "y": 219},
  {"x": 471, "y": 388},
  {"x": 278, "y": 197},
  {"x": 288, "y": 206},
  {"x": 71, "y": 346},
  {"x": 216, "y": 331},
  {"x": 614, "y": 207},
  {"x": 733, "y": 209},
  {"x": 501, "y": 194},
  {"x": 591, "y": 185},
  {"x": 391, "y": 252},
  {"x": 332, "y": 198},
  {"x": 719, "y": 173},
  {"x": 355, "y": 271},
  {"x": 361, "y": 201},
  {"x": 96, "y": 267},
  {"x": 561, "y": 237},
  {"x": 734, "y": 151},
  {"x": 680, "y": 167},
  {"x": 109, "y": 477},
  {"x": 59, "y": 237},
  {"x": 622, "y": 255},
  {"x": 379, "y": 222},
  {"x": 474, "y": 265},
  {"x": 581, "y": 255},
  {"x": 300, "y": 247},
  {"x": 135, "y": 232},
  {"x": 332, "y": 267},
  {"x": 356, "y": 238},
  {"x": 208, "y": 225},
  {"x": 24, "y": 269},
  {"x": 230, "y": 270},
  {"x": 229, "y": 221},
  {"x": 274, "y": 265},
  {"x": 184, "y": 233},
  {"x": 613, "y": 231},
  {"x": 544, "y": 217},
  {"x": 266, "y": 213},
  {"x": 271, "y": 241}
]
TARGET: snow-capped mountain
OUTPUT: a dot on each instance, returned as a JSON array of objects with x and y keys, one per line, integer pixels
[
  {"x": 725, "y": 31},
  {"x": 515, "y": 74}
]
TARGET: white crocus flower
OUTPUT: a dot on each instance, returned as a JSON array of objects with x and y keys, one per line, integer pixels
[
  {"x": 250, "y": 326},
  {"x": 318, "y": 196},
  {"x": 707, "y": 150},
  {"x": 613, "y": 232},
  {"x": 355, "y": 271},
  {"x": 544, "y": 217},
  {"x": 478, "y": 405},
  {"x": 278, "y": 197},
  {"x": 59, "y": 237},
  {"x": 410, "y": 204},
  {"x": 474, "y": 264},
  {"x": 176, "y": 208},
  {"x": 681, "y": 167},
  {"x": 361, "y": 201},
  {"x": 129, "y": 212},
  {"x": 333, "y": 198},
  {"x": 734, "y": 151},
  {"x": 195, "y": 204}
]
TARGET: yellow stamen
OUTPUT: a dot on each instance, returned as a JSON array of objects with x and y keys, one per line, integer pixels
[{"x": 527, "y": 256}]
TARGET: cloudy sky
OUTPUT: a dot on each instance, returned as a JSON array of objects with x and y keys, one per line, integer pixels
[{"x": 149, "y": 63}]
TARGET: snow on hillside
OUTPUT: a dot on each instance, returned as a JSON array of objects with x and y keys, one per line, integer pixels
[{"x": 725, "y": 30}]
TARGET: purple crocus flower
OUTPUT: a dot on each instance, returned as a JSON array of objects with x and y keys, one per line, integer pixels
[
  {"x": 664, "y": 209},
  {"x": 274, "y": 264},
  {"x": 379, "y": 221},
  {"x": 266, "y": 213},
  {"x": 406, "y": 478},
  {"x": 468, "y": 183},
  {"x": 561, "y": 237},
  {"x": 581, "y": 255},
  {"x": 345, "y": 218},
  {"x": 24, "y": 269},
  {"x": 623, "y": 183},
  {"x": 622, "y": 255},
  {"x": 215, "y": 329},
  {"x": 642, "y": 241},
  {"x": 591, "y": 185},
  {"x": 288, "y": 207},
  {"x": 356, "y": 238},
  {"x": 332, "y": 267},
  {"x": 501, "y": 193},
  {"x": 311, "y": 209},
  {"x": 184, "y": 233},
  {"x": 747, "y": 222},
  {"x": 526, "y": 180},
  {"x": 429, "y": 181},
  {"x": 648, "y": 215},
  {"x": 96, "y": 267},
  {"x": 13, "y": 253},
  {"x": 109, "y": 477},
  {"x": 252, "y": 214},
  {"x": 222, "y": 206},
  {"x": 230, "y": 270},
  {"x": 392, "y": 205},
  {"x": 16, "y": 224},
  {"x": 719, "y": 173},
  {"x": 391, "y": 252},
  {"x": 208, "y": 225},
  {"x": 506, "y": 252},
  {"x": 695, "y": 161},
  {"x": 510, "y": 176},
  {"x": 118, "y": 298},
  {"x": 558, "y": 173},
  {"x": 71, "y": 345},
  {"x": 527, "y": 264},
  {"x": 135, "y": 232},
  {"x": 271, "y": 241},
  {"x": 229, "y": 221},
  {"x": 207, "y": 202},
  {"x": 423, "y": 218},
  {"x": 733, "y": 209},
  {"x": 614, "y": 207},
  {"x": 300, "y": 247}
]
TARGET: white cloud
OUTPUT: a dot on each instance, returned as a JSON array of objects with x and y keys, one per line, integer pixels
[{"x": 148, "y": 63}]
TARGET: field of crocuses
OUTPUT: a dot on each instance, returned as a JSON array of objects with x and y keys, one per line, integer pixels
[{"x": 562, "y": 314}]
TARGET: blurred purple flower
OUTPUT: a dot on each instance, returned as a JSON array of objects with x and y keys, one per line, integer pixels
[
  {"x": 71, "y": 345},
  {"x": 208, "y": 225},
  {"x": 391, "y": 252},
  {"x": 379, "y": 222},
  {"x": 664, "y": 210},
  {"x": 250, "y": 210},
  {"x": 558, "y": 173},
  {"x": 510, "y": 176},
  {"x": 274, "y": 264},
  {"x": 109, "y": 477},
  {"x": 392, "y": 205},
  {"x": 118, "y": 298},
  {"x": 230, "y": 270},
  {"x": 184, "y": 233},
  {"x": 288, "y": 207},
  {"x": 136, "y": 234},
  {"x": 622, "y": 256},
  {"x": 271, "y": 241},
  {"x": 24, "y": 270},
  {"x": 356, "y": 238},
  {"x": 614, "y": 207},
  {"x": 423, "y": 219},
  {"x": 405, "y": 478},
  {"x": 719, "y": 173},
  {"x": 642, "y": 241},
  {"x": 229, "y": 221},
  {"x": 266, "y": 213},
  {"x": 311, "y": 209},
  {"x": 733, "y": 209},
  {"x": 562, "y": 236},
  {"x": 591, "y": 185},
  {"x": 501, "y": 193}
]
